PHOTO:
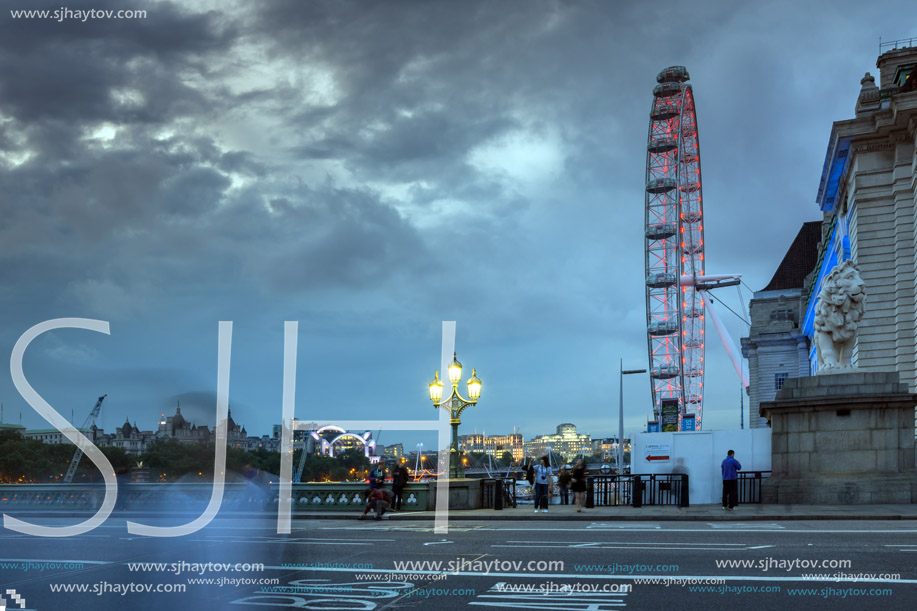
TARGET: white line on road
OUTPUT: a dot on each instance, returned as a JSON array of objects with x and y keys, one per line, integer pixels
[
  {"x": 631, "y": 542},
  {"x": 729, "y": 525},
  {"x": 602, "y": 576},
  {"x": 624, "y": 526},
  {"x": 712, "y": 549},
  {"x": 295, "y": 542},
  {"x": 779, "y": 530},
  {"x": 566, "y": 529}
]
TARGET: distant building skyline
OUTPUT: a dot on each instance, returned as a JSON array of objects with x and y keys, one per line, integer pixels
[
  {"x": 134, "y": 441},
  {"x": 566, "y": 442}
]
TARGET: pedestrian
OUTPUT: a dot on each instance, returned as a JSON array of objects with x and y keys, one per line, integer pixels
[
  {"x": 376, "y": 477},
  {"x": 379, "y": 499},
  {"x": 730, "y": 481},
  {"x": 399, "y": 479},
  {"x": 563, "y": 481},
  {"x": 530, "y": 474},
  {"x": 123, "y": 477},
  {"x": 543, "y": 479},
  {"x": 578, "y": 484}
]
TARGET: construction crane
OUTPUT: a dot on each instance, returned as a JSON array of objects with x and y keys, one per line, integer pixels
[{"x": 90, "y": 421}]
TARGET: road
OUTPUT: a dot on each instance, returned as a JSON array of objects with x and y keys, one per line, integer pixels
[{"x": 347, "y": 564}]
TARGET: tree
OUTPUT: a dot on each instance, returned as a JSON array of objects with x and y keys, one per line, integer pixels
[{"x": 177, "y": 459}]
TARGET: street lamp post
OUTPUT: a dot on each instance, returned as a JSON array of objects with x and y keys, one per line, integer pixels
[
  {"x": 455, "y": 404},
  {"x": 620, "y": 455}
]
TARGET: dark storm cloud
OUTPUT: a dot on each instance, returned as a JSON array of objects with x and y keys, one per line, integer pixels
[
  {"x": 67, "y": 70},
  {"x": 370, "y": 167}
]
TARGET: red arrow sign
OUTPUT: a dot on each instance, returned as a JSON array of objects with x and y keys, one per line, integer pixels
[{"x": 652, "y": 458}]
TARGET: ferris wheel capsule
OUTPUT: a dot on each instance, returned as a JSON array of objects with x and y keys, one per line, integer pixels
[{"x": 674, "y": 246}]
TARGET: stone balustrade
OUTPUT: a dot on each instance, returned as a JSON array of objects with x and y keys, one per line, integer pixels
[{"x": 194, "y": 497}]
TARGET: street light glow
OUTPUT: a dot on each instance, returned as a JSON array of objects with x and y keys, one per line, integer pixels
[
  {"x": 436, "y": 389},
  {"x": 474, "y": 386},
  {"x": 455, "y": 371}
]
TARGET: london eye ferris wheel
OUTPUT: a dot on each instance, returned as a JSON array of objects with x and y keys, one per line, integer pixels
[
  {"x": 676, "y": 284},
  {"x": 674, "y": 246}
]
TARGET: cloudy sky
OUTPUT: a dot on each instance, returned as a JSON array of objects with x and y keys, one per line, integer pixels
[{"x": 371, "y": 169}]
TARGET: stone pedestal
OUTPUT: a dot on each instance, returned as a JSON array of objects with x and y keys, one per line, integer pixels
[{"x": 845, "y": 439}]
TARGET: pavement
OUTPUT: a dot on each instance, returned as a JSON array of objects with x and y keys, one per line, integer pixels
[{"x": 665, "y": 513}]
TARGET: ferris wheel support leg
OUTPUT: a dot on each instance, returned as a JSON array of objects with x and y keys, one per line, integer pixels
[{"x": 726, "y": 339}]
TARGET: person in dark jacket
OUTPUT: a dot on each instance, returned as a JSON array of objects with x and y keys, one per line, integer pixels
[
  {"x": 399, "y": 479},
  {"x": 563, "y": 482},
  {"x": 730, "y": 467},
  {"x": 578, "y": 484},
  {"x": 377, "y": 477}
]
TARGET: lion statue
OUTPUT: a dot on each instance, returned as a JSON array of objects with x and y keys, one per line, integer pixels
[{"x": 840, "y": 307}]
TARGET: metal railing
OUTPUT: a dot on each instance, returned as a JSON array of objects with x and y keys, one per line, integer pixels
[
  {"x": 498, "y": 493},
  {"x": 750, "y": 485},
  {"x": 637, "y": 490},
  {"x": 901, "y": 43}
]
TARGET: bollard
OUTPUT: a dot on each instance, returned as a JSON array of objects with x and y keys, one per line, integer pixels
[
  {"x": 590, "y": 492},
  {"x": 637, "y": 492},
  {"x": 498, "y": 495}
]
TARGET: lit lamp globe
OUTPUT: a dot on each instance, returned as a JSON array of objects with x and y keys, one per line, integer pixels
[
  {"x": 474, "y": 386},
  {"x": 436, "y": 389},
  {"x": 455, "y": 370}
]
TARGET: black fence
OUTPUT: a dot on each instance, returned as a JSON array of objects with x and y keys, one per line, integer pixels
[
  {"x": 750, "y": 485},
  {"x": 637, "y": 490},
  {"x": 498, "y": 493}
]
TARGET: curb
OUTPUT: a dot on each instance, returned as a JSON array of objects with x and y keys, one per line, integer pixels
[{"x": 498, "y": 516}]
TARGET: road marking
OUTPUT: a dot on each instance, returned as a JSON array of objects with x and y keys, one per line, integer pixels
[
  {"x": 287, "y": 542},
  {"x": 623, "y": 526},
  {"x": 743, "y": 525},
  {"x": 438, "y": 542},
  {"x": 600, "y": 576},
  {"x": 717, "y": 549},
  {"x": 745, "y": 528},
  {"x": 764, "y": 546},
  {"x": 627, "y": 545},
  {"x": 628, "y": 542}
]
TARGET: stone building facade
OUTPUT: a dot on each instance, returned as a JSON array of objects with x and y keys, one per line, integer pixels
[
  {"x": 867, "y": 196},
  {"x": 776, "y": 347},
  {"x": 493, "y": 445}
]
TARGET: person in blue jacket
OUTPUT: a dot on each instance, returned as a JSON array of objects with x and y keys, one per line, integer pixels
[{"x": 730, "y": 481}]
